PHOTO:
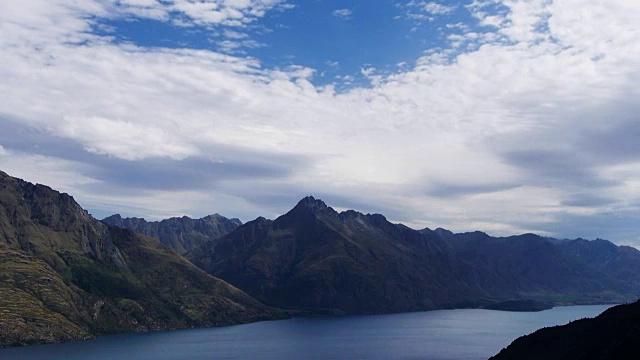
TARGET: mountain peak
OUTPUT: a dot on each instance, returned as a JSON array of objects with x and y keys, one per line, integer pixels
[
  {"x": 308, "y": 207},
  {"x": 114, "y": 217},
  {"x": 311, "y": 203}
]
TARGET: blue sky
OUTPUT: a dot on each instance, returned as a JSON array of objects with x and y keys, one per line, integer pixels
[
  {"x": 338, "y": 39},
  {"x": 506, "y": 116}
]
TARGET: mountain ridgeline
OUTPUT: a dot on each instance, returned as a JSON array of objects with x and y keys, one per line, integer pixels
[
  {"x": 181, "y": 234},
  {"x": 317, "y": 259},
  {"x": 66, "y": 276}
]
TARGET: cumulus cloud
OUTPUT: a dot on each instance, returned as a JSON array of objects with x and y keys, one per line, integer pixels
[{"x": 528, "y": 125}]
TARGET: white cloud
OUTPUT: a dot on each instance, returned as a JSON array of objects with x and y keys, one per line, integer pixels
[
  {"x": 203, "y": 12},
  {"x": 372, "y": 74},
  {"x": 421, "y": 11},
  {"x": 62, "y": 175},
  {"x": 237, "y": 46},
  {"x": 431, "y": 7},
  {"x": 230, "y": 34},
  {"x": 458, "y": 140},
  {"x": 333, "y": 64},
  {"x": 342, "y": 13}
]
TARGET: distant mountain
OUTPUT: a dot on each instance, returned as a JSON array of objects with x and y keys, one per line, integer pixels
[
  {"x": 537, "y": 268},
  {"x": 66, "y": 276},
  {"x": 317, "y": 259},
  {"x": 181, "y": 234},
  {"x": 621, "y": 262},
  {"x": 614, "y": 334}
]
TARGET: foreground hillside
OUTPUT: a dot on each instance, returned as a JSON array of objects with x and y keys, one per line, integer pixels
[
  {"x": 317, "y": 259},
  {"x": 614, "y": 334},
  {"x": 66, "y": 276},
  {"x": 181, "y": 234}
]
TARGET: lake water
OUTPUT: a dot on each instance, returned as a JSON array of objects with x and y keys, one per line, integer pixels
[{"x": 446, "y": 334}]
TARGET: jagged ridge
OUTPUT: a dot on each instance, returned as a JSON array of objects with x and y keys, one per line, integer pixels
[
  {"x": 318, "y": 259},
  {"x": 179, "y": 233}
]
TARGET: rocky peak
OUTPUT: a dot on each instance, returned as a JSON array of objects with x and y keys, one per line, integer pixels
[
  {"x": 260, "y": 221},
  {"x": 217, "y": 218},
  {"x": 114, "y": 220},
  {"x": 311, "y": 203},
  {"x": 377, "y": 218},
  {"x": 426, "y": 231},
  {"x": 114, "y": 217},
  {"x": 307, "y": 209},
  {"x": 443, "y": 233},
  {"x": 68, "y": 227},
  {"x": 213, "y": 217},
  {"x": 179, "y": 233}
]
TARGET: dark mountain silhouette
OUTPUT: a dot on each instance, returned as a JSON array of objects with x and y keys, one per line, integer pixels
[
  {"x": 66, "y": 276},
  {"x": 181, "y": 234},
  {"x": 614, "y": 334},
  {"x": 315, "y": 258},
  {"x": 537, "y": 269},
  {"x": 621, "y": 262}
]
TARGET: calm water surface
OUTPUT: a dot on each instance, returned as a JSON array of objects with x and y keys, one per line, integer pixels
[{"x": 446, "y": 334}]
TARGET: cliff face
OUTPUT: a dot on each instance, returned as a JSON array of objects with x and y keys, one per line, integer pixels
[
  {"x": 66, "y": 276},
  {"x": 181, "y": 234}
]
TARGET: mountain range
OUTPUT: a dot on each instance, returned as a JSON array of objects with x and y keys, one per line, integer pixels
[
  {"x": 315, "y": 258},
  {"x": 66, "y": 276},
  {"x": 181, "y": 234}
]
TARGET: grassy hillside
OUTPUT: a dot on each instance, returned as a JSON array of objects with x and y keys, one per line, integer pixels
[{"x": 66, "y": 276}]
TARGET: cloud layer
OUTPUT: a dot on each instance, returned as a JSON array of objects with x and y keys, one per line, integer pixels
[{"x": 526, "y": 122}]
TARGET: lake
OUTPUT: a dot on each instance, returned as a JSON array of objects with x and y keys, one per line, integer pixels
[{"x": 443, "y": 334}]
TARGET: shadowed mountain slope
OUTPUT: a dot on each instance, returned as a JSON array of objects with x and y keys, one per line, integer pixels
[
  {"x": 181, "y": 234},
  {"x": 614, "y": 334},
  {"x": 621, "y": 262},
  {"x": 536, "y": 268},
  {"x": 316, "y": 258},
  {"x": 66, "y": 276}
]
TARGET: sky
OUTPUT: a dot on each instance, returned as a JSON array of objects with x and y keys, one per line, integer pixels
[{"x": 506, "y": 116}]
